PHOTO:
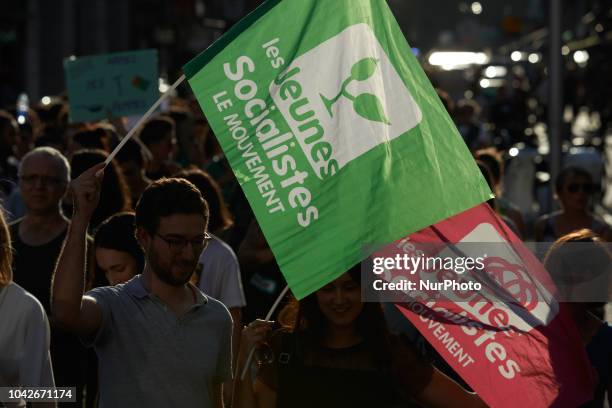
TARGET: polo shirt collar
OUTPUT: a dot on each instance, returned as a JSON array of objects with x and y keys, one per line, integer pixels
[{"x": 136, "y": 288}]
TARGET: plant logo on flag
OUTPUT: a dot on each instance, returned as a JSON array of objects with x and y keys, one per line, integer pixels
[
  {"x": 531, "y": 294},
  {"x": 366, "y": 105},
  {"x": 524, "y": 302},
  {"x": 352, "y": 97}
]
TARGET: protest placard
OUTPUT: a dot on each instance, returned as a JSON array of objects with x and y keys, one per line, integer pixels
[{"x": 122, "y": 84}]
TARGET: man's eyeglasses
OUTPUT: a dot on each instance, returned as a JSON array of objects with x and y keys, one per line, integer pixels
[
  {"x": 177, "y": 244},
  {"x": 33, "y": 179},
  {"x": 587, "y": 188}
]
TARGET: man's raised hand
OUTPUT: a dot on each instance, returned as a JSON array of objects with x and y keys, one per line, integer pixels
[{"x": 85, "y": 191}]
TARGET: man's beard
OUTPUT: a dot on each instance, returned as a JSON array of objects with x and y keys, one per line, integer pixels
[{"x": 165, "y": 274}]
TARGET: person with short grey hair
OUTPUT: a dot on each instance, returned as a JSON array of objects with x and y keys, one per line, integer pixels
[
  {"x": 15, "y": 206},
  {"x": 63, "y": 165},
  {"x": 44, "y": 174}
]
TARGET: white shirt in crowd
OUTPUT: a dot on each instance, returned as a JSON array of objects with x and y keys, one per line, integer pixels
[
  {"x": 24, "y": 340},
  {"x": 220, "y": 276}
]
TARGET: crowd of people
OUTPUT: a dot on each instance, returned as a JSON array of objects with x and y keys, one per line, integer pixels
[{"x": 156, "y": 263}]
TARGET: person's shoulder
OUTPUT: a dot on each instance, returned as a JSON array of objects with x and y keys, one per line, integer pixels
[
  {"x": 115, "y": 289},
  {"x": 215, "y": 306},
  {"x": 548, "y": 217},
  {"x": 216, "y": 259},
  {"x": 219, "y": 248},
  {"x": 108, "y": 292},
  {"x": 544, "y": 220},
  {"x": 218, "y": 242},
  {"x": 215, "y": 311},
  {"x": 23, "y": 301},
  {"x": 606, "y": 329}
]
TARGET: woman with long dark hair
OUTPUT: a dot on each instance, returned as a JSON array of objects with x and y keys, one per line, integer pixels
[
  {"x": 115, "y": 195},
  {"x": 335, "y": 351}
]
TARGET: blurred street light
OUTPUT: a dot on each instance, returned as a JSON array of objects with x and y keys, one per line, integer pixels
[
  {"x": 516, "y": 56},
  {"x": 534, "y": 58},
  {"x": 581, "y": 57},
  {"x": 450, "y": 60},
  {"x": 495, "y": 71},
  {"x": 491, "y": 83},
  {"x": 476, "y": 8}
]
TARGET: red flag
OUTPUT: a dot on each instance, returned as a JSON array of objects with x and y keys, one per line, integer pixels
[{"x": 525, "y": 352}]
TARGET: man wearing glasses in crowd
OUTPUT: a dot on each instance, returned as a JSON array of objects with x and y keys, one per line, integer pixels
[
  {"x": 44, "y": 174},
  {"x": 160, "y": 341}
]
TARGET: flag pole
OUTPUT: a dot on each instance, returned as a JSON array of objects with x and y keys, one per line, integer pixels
[
  {"x": 144, "y": 117},
  {"x": 268, "y": 317}
]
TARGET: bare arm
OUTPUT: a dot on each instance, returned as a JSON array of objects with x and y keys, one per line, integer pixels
[
  {"x": 78, "y": 313},
  {"x": 265, "y": 396},
  {"x": 236, "y": 313},
  {"x": 246, "y": 394},
  {"x": 243, "y": 395},
  {"x": 249, "y": 394}
]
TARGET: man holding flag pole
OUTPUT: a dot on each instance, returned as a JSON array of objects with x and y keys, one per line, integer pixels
[
  {"x": 338, "y": 140},
  {"x": 160, "y": 341}
]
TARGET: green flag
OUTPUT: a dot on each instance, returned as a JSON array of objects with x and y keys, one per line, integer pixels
[{"x": 333, "y": 131}]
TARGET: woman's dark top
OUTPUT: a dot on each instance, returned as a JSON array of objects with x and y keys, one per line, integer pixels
[
  {"x": 305, "y": 374},
  {"x": 599, "y": 351}
]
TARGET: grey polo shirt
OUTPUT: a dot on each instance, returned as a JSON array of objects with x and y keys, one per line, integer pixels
[{"x": 150, "y": 358}]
